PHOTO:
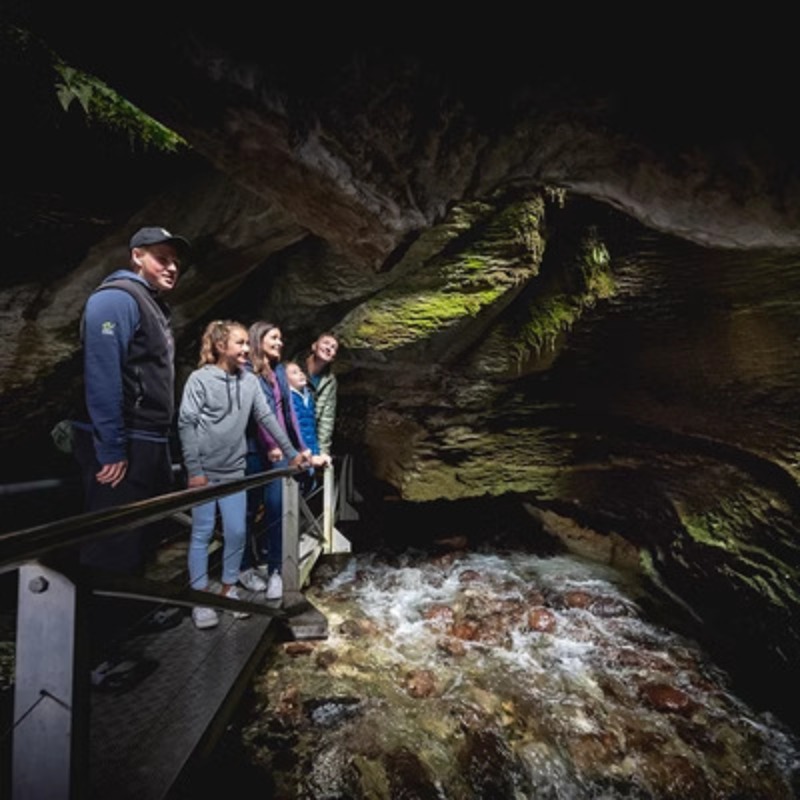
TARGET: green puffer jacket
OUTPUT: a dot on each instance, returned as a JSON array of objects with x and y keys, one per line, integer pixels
[{"x": 325, "y": 404}]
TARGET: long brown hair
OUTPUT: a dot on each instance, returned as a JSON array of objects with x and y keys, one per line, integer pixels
[{"x": 259, "y": 360}]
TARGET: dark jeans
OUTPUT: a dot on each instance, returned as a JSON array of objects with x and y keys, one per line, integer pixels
[
  {"x": 264, "y": 534},
  {"x": 149, "y": 474}
]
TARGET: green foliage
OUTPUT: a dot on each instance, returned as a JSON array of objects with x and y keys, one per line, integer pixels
[{"x": 102, "y": 104}]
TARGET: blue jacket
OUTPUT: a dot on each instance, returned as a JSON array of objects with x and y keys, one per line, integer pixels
[
  {"x": 129, "y": 364},
  {"x": 306, "y": 418}
]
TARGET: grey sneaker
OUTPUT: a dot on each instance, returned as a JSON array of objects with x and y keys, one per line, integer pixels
[
  {"x": 251, "y": 580},
  {"x": 205, "y": 617},
  {"x": 233, "y": 594},
  {"x": 274, "y": 587}
]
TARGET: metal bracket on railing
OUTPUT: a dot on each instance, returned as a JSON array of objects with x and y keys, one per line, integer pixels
[{"x": 48, "y": 751}]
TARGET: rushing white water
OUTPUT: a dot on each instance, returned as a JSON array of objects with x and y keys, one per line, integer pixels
[{"x": 505, "y": 675}]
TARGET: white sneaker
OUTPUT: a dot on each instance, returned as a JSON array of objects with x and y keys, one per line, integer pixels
[
  {"x": 233, "y": 594},
  {"x": 204, "y": 617},
  {"x": 274, "y": 586},
  {"x": 251, "y": 580}
]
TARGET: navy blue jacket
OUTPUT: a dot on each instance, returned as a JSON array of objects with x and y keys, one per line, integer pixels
[{"x": 129, "y": 364}]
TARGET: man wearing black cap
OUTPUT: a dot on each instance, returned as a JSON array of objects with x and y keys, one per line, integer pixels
[{"x": 129, "y": 381}]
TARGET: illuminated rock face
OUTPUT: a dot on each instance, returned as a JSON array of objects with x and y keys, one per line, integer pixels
[{"x": 514, "y": 260}]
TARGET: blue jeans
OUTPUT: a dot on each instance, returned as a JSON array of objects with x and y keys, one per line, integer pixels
[
  {"x": 233, "y": 510},
  {"x": 265, "y": 537}
]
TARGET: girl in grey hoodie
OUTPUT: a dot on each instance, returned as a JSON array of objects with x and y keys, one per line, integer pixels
[{"x": 218, "y": 399}]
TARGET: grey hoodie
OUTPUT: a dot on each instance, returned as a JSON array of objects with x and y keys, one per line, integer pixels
[{"x": 213, "y": 416}]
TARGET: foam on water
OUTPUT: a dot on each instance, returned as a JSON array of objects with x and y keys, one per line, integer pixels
[{"x": 570, "y": 712}]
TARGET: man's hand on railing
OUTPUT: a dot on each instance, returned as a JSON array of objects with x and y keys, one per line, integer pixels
[
  {"x": 112, "y": 473},
  {"x": 322, "y": 461}
]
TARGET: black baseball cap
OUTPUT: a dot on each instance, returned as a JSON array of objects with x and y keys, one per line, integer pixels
[{"x": 147, "y": 236}]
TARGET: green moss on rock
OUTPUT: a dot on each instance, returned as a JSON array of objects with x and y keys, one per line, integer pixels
[
  {"x": 556, "y": 309},
  {"x": 486, "y": 257}
]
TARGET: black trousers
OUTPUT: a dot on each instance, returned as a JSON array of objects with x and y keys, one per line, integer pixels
[{"x": 149, "y": 474}]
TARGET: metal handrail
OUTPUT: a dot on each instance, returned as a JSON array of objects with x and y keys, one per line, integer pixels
[{"x": 19, "y": 547}]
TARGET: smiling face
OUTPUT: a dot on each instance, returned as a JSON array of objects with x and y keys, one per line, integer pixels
[
  {"x": 272, "y": 345},
  {"x": 295, "y": 376},
  {"x": 325, "y": 348},
  {"x": 158, "y": 264},
  {"x": 233, "y": 356}
]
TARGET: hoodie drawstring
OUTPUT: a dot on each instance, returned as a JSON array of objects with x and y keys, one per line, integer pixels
[{"x": 238, "y": 391}]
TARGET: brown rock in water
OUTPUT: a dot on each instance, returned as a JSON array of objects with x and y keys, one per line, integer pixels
[
  {"x": 609, "y": 607},
  {"x": 452, "y": 647},
  {"x": 465, "y": 629},
  {"x": 289, "y": 706},
  {"x": 667, "y": 698},
  {"x": 325, "y": 658},
  {"x": 638, "y": 659},
  {"x": 440, "y": 614},
  {"x": 590, "y": 751},
  {"x": 493, "y": 629},
  {"x": 445, "y": 560},
  {"x": 420, "y": 683},
  {"x": 298, "y": 648},
  {"x": 534, "y": 597},
  {"x": 356, "y": 628},
  {"x": 577, "y": 599},
  {"x": 541, "y": 619},
  {"x": 675, "y": 776}
]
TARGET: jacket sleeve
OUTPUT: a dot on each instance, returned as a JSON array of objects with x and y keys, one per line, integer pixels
[
  {"x": 188, "y": 425},
  {"x": 265, "y": 440},
  {"x": 290, "y": 418},
  {"x": 268, "y": 420},
  {"x": 326, "y": 414},
  {"x": 109, "y": 321},
  {"x": 297, "y": 411}
]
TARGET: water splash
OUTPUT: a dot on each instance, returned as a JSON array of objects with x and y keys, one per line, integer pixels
[{"x": 478, "y": 675}]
